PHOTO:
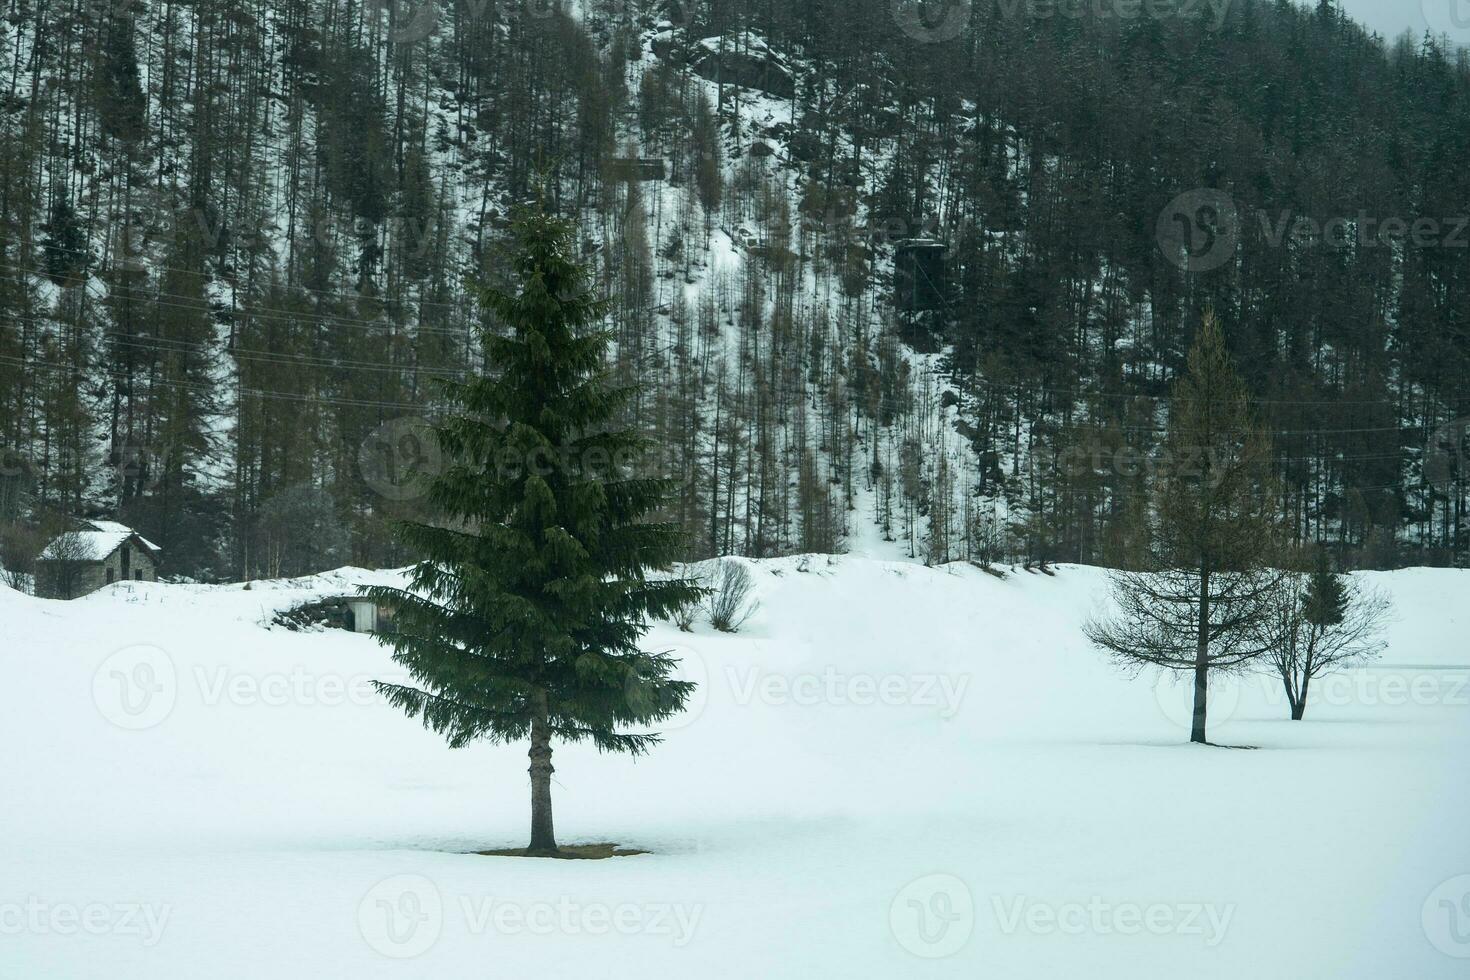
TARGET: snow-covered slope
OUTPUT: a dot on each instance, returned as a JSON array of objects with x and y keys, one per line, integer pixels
[{"x": 890, "y": 771}]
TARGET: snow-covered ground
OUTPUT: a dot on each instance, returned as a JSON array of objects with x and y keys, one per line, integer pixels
[{"x": 892, "y": 771}]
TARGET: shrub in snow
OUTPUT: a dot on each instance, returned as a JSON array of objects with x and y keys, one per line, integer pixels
[{"x": 729, "y": 600}]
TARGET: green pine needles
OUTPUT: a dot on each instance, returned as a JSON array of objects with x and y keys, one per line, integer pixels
[{"x": 523, "y": 621}]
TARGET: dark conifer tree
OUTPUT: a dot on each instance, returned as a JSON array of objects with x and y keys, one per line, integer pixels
[
  {"x": 523, "y": 621},
  {"x": 1204, "y": 589}
]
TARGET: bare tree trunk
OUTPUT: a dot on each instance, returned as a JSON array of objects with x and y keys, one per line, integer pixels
[
  {"x": 543, "y": 838},
  {"x": 1299, "y": 706},
  {"x": 1202, "y": 659}
]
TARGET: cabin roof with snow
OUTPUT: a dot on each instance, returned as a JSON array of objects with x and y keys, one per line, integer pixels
[{"x": 97, "y": 540}]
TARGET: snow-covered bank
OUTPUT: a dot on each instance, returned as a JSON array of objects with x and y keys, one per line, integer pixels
[{"x": 887, "y": 764}]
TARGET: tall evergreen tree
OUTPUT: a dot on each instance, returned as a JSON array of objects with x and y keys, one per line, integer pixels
[
  {"x": 1203, "y": 590},
  {"x": 524, "y": 619}
]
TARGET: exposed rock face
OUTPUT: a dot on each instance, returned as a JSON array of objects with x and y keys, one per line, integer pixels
[
  {"x": 804, "y": 146},
  {"x": 744, "y": 60},
  {"x": 666, "y": 46}
]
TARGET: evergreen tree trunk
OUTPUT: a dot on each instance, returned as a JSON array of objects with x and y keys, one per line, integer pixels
[
  {"x": 543, "y": 837},
  {"x": 1202, "y": 659}
]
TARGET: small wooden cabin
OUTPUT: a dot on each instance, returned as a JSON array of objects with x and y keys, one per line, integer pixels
[
  {"x": 354, "y": 613},
  {"x": 367, "y": 616},
  {"x": 630, "y": 169},
  {"x": 96, "y": 555}
]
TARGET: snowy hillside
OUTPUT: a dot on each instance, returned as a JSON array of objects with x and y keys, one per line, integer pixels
[
  {"x": 891, "y": 771},
  {"x": 239, "y": 246}
]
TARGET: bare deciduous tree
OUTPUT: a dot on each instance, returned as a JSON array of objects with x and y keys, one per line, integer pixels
[
  {"x": 19, "y": 546},
  {"x": 729, "y": 600},
  {"x": 1321, "y": 622},
  {"x": 66, "y": 557}
]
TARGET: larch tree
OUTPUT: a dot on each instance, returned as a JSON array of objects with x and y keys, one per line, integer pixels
[
  {"x": 523, "y": 621},
  {"x": 1202, "y": 585}
]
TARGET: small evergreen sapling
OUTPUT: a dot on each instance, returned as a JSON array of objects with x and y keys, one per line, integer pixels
[{"x": 524, "y": 619}]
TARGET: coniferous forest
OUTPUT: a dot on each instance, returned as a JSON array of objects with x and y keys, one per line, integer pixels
[
  {"x": 241, "y": 243},
  {"x": 734, "y": 488}
]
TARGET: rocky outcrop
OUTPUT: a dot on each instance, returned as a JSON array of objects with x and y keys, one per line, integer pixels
[{"x": 745, "y": 60}]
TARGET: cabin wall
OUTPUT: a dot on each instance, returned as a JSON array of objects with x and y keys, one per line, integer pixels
[
  {"x": 140, "y": 567},
  {"x": 56, "y": 581},
  {"x": 89, "y": 576}
]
